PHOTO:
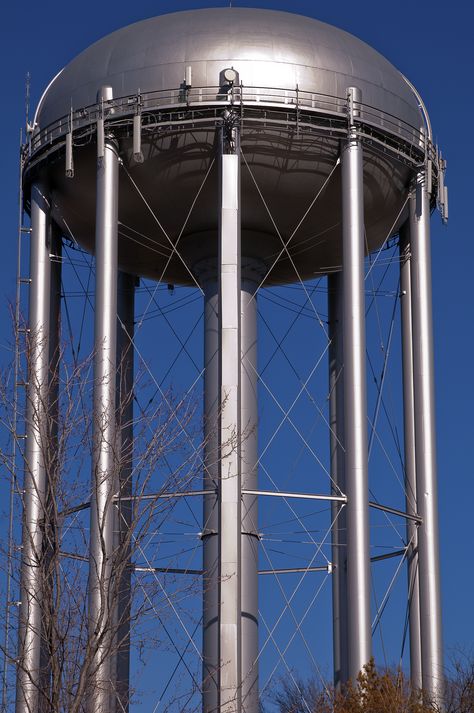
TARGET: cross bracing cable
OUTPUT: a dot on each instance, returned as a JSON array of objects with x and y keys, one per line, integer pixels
[
  {"x": 389, "y": 234},
  {"x": 298, "y": 224},
  {"x": 288, "y": 600},
  {"x": 181, "y": 342},
  {"x": 279, "y": 347},
  {"x": 285, "y": 247},
  {"x": 286, "y": 417},
  {"x": 380, "y": 384},
  {"x": 173, "y": 673},
  {"x": 386, "y": 596},
  {"x": 280, "y": 341},
  {"x": 175, "y": 244},
  {"x": 283, "y": 660}
]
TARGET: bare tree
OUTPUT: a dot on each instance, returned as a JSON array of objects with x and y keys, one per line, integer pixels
[
  {"x": 164, "y": 456},
  {"x": 460, "y": 683}
]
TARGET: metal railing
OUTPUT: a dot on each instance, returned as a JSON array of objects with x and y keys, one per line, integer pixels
[{"x": 305, "y": 105}]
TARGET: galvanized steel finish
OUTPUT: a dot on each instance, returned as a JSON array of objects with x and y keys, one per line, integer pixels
[
  {"x": 244, "y": 120},
  {"x": 425, "y": 438},
  {"x": 166, "y": 75},
  {"x": 410, "y": 456},
  {"x": 267, "y": 48},
  {"x": 105, "y": 471},
  {"x": 37, "y": 457},
  {"x": 359, "y": 635}
]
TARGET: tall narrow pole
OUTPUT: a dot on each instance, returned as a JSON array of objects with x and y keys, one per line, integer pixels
[
  {"x": 210, "y": 532},
  {"x": 123, "y": 509},
  {"x": 207, "y": 273},
  {"x": 249, "y": 458},
  {"x": 104, "y": 456},
  {"x": 50, "y": 671},
  {"x": 338, "y": 484},
  {"x": 36, "y": 457},
  {"x": 359, "y": 643},
  {"x": 230, "y": 633},
  {"x": 425, "y": 437},
  {"x": 410, "y": 464}
]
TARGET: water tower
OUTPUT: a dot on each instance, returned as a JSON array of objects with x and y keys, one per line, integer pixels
[{"x": 308, "y": 151}]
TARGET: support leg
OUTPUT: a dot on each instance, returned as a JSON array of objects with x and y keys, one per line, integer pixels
[
  {"x": 410, "y": 464},
  {"x": 248, "y": 454},
  {"x": 249, "y": 458},
  {"x": 425, "y": 438},
  {"x": 36, "y": 458},
  {"x": 50, "y": 671},
  {"x": 230, "y": 638},
  {"x": 338, "y": 512},
  {"x": 123, "y": 509},
  {"x": 355, "y": 408},
  {"x": 104, "y": 457},
  {"x": 210, "y": 693}
]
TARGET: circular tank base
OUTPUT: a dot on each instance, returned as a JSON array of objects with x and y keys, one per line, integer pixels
[{"x": 167, "y": 201}]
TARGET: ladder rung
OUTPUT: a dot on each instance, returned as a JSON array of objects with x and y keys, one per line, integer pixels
[{"x": 24, "y": 280}]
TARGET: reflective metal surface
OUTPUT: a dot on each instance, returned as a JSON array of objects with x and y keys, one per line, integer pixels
[
  {"x": 308, "y": 153},
  {"x": 410, "y": 457},
  {"x": 104, "y": 457},
  {"x": 293, "y": 72},
  {"x": 425, "y": 439},
  {"x": 338, "y": 484},
  {"x": 266, "y": 47},
  {"x": 230, "y": 482},
  {"x": 359, "y": 634},
  {"x": 37, "y": 457}
]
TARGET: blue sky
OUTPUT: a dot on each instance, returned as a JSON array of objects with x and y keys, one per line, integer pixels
[{"x": 431, "y": 43}]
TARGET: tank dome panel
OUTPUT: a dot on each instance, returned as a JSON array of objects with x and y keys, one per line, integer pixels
[
  {"x": 268, "y": 48},
  {"x": 291, "y": 100}
]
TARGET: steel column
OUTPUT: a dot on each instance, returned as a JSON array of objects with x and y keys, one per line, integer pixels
[
  {"x": 230, "y": 630},
  {"x": 102, "y": 589},
  {"x": 249, "y": 458},
  {"x": 409, "y": 452},
  {"x": 37, "y": 457},
  {"x": 50, "y": 673},
  {"x": 210, "y": 540},
  {"x": 123, "y": 509},
  {"x": 359, "y": 643},
  {"x": 425, "y": 438},
  {"x": 338, "y": 510},
  {"x": 248, "y": 447}
]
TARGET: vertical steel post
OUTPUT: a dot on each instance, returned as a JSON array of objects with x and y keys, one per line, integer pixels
[
  {"x": 207, "y": 273},
  {"x": 123, "y": 508},
  {"x": 104, "y": 456},
  {"x": 249, "y": 470},
  {"x": 338, "y": 511},
  {"x": 359, "y": 642},
  {"x": 36, "y": 457},
  {"x": 230, "y": 633},
  {"x": 210, "y": 532},
  {"x": 425, "y": 438},
  {"x": 49, "y": 672},
  {"x": 409, "y": 451}
]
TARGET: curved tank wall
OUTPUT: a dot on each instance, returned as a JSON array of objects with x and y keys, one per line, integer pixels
[
  {"x": 288, "y": 163},
  {"x": 269, "y": 49}
]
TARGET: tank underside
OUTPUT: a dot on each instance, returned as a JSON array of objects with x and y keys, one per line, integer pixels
[
  {"x": 168, "y": 201},
  {"x": 292, "y": 74}
]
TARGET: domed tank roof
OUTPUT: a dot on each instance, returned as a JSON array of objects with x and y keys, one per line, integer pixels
[
  {"x": 291, "y": 97},
  {"x": 269, "y": 49}
]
